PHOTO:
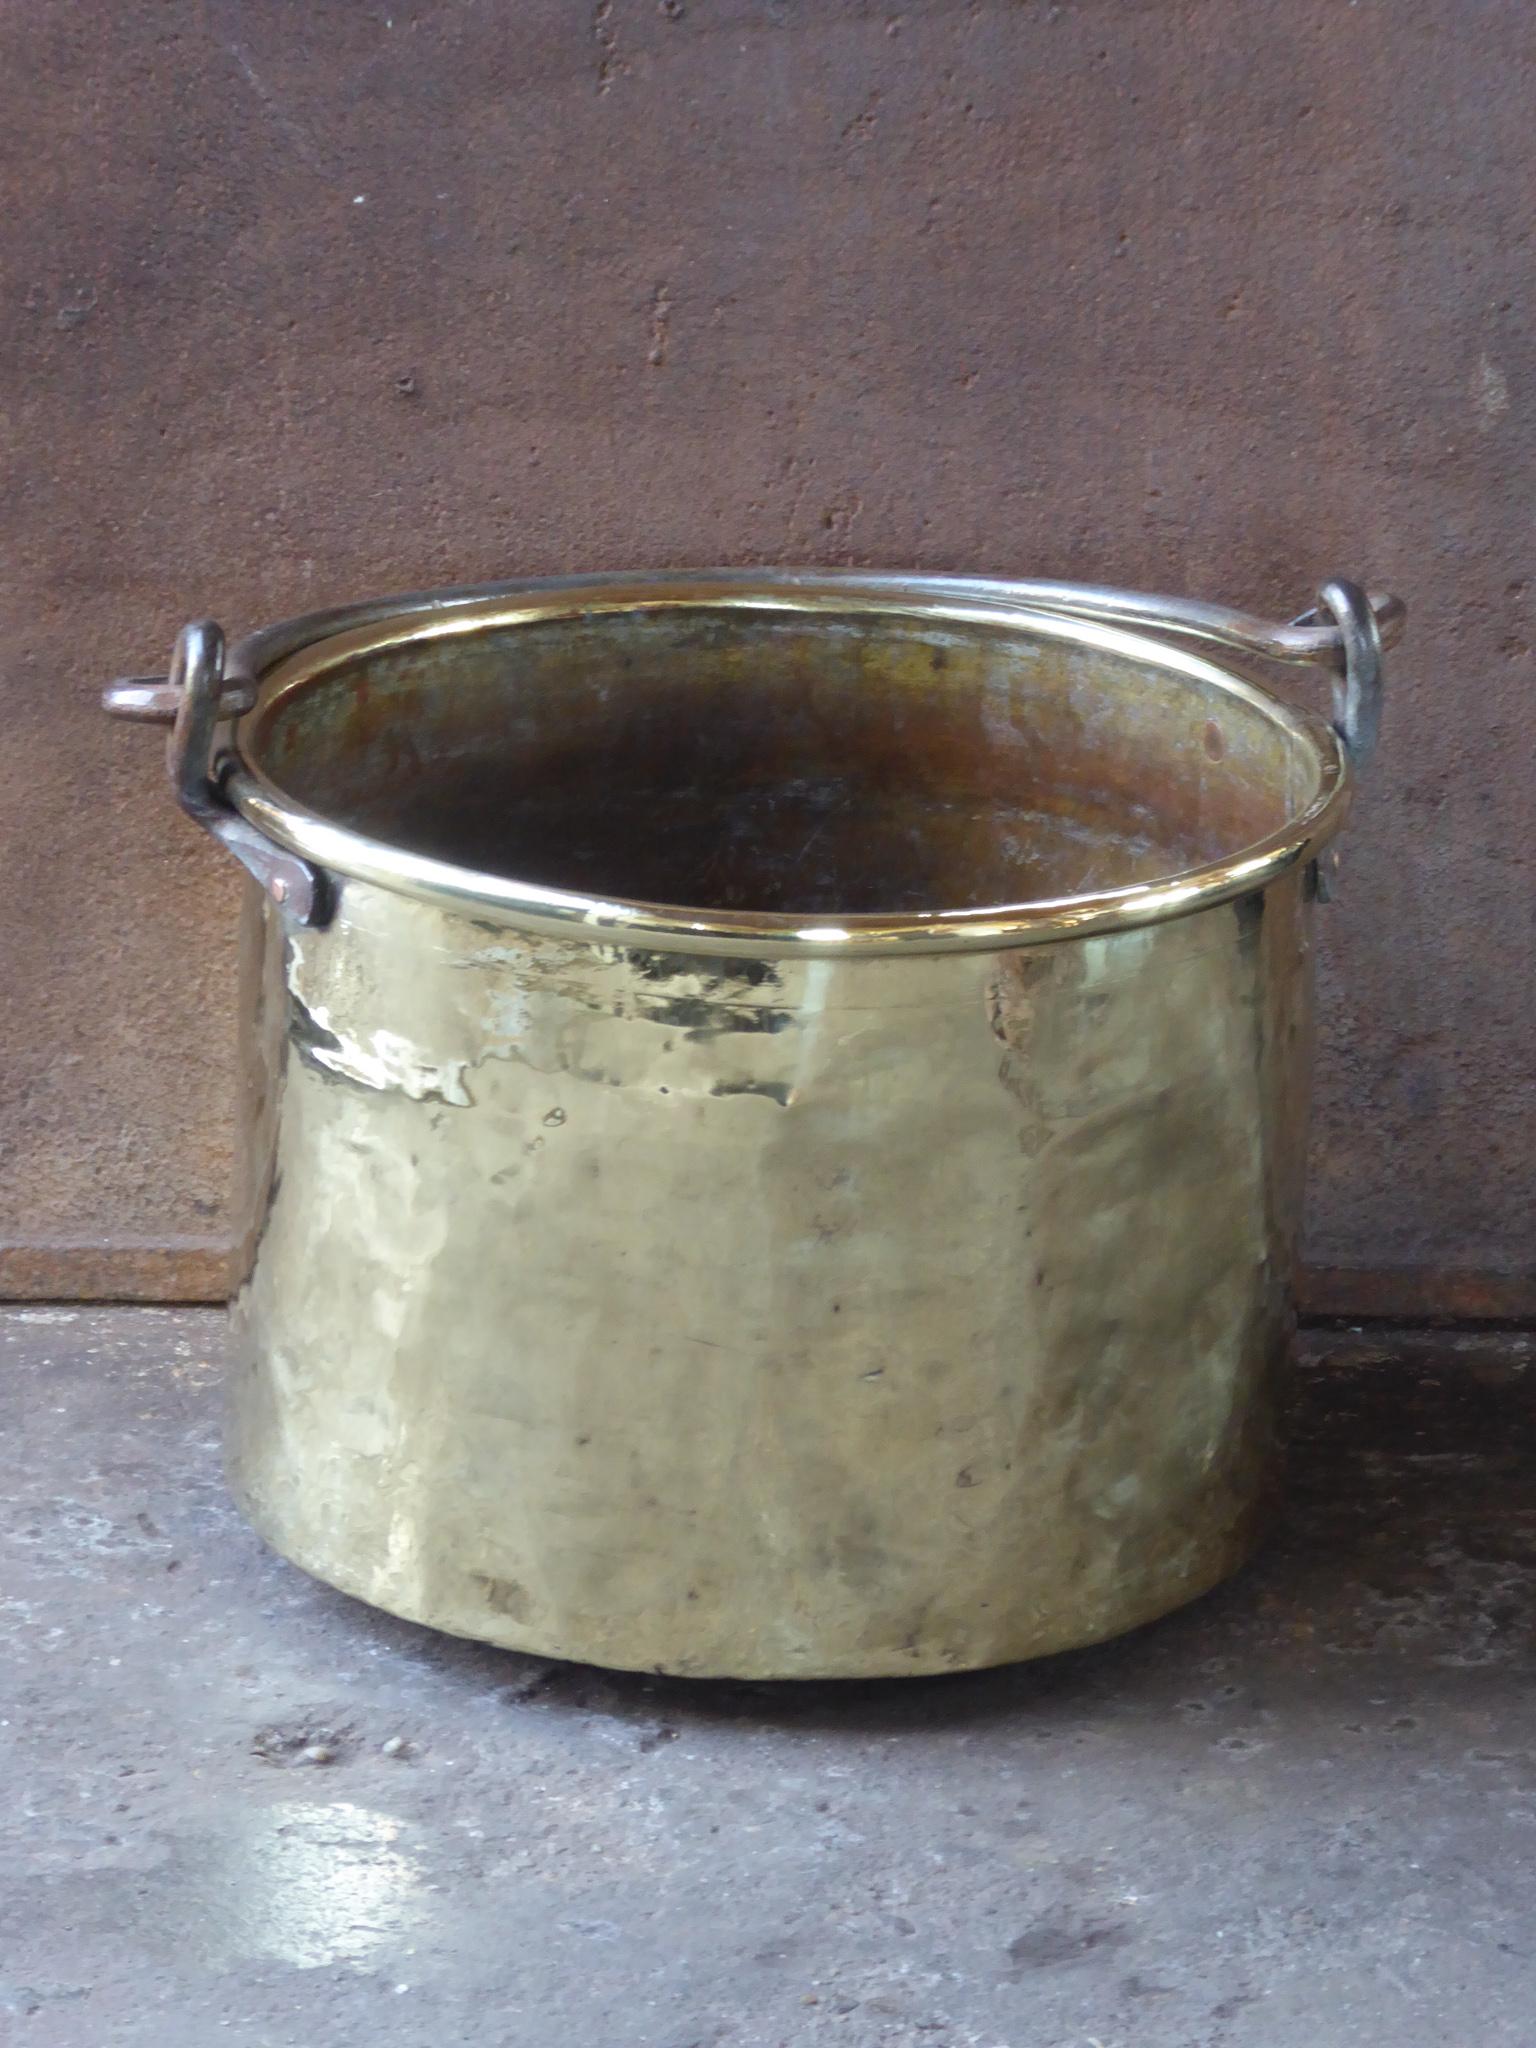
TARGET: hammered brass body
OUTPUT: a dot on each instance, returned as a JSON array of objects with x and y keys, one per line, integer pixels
[
  {"x": 849, "y": 1318},
  {"x": 799, "y": 1310}
]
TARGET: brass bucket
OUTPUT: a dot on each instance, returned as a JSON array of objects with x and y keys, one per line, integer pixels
[{"x": 775, "y": 1102}]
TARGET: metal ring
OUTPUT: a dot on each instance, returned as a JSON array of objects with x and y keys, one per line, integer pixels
[
  {"x": 197, "y": 679},
  {"x": 1357, "y": 687}
]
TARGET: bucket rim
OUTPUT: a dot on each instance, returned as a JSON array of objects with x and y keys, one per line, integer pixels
[{"x": 282, "y": 659}]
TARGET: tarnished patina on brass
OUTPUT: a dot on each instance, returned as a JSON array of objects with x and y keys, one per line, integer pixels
[{"x": 784, "y": 1155}]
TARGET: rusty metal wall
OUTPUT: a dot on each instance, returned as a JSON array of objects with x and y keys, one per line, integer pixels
[{"x": 306, "y": 303}]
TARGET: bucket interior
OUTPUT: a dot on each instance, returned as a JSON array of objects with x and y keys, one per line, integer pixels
[{"x": 787, "y": 762}]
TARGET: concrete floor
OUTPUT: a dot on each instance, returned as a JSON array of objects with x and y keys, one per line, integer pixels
[{"x": 1302, "y": 1812}]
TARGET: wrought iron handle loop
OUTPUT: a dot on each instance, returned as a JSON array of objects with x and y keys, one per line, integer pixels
[
  {"x": 1357, "y": 688},
  {"x": 196, "y": 700}
]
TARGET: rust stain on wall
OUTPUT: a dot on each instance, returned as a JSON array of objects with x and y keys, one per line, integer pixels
[{"x": 1192, "y": 297}]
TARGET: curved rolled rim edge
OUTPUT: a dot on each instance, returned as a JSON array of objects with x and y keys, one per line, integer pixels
[{"x": 298, "y": 652}]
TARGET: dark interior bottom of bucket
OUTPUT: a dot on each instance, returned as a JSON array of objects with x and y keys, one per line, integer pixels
[{"x": 825, "y": 845}]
